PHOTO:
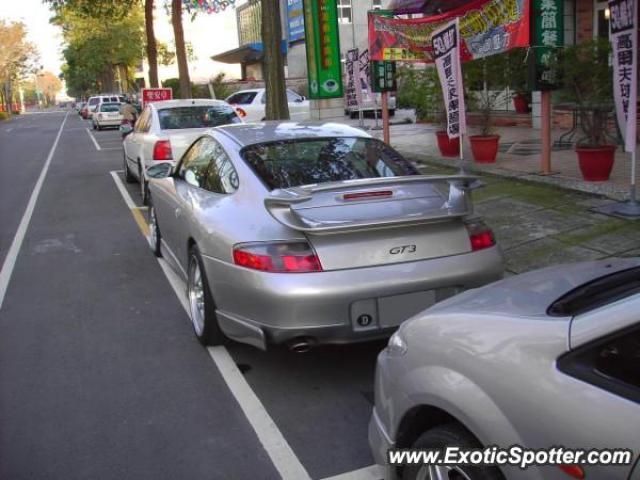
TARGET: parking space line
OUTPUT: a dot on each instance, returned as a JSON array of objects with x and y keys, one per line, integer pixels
[
  {"x": 276, "y": 446},
  {"x": 95, "y": 142},
  {"x": 281, "y": 454},
  {"x": 373, "y": 472},
  {"x": 14, "y": 250}
]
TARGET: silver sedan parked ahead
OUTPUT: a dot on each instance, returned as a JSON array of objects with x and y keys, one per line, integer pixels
[
  {"x": 302, "y": 234},
  {"x": 546, "y": 359}
]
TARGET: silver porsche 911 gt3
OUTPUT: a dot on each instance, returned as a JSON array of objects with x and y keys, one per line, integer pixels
[{"x": 304, "y": 234}]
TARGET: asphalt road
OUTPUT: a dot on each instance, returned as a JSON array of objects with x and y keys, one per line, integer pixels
[{"x": 101, "y": 376}]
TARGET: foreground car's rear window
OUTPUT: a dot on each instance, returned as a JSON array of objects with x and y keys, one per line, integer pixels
[
  {"x": 292, "y": 163},
  {"x": 113, "y": 107},
  {"x": 197, "y": 116}
]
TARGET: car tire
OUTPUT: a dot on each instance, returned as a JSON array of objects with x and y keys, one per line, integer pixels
[
  {"x": 202, "y": 309},
  {"x": 155, "y": 237},
  {"x": 94, "y": 126},
  {"x": 127, "y": 173},
  {"x": 392, "y": 113},
  {"x": 449, "y": 435},
  {"x": 144, "y": 187},
  {"x": 353, "y": 115}
]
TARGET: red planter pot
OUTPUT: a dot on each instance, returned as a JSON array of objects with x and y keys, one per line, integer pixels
[
  {"x": 484, "y": 148},
  {"x": 596, "y": 163},
  {"x": 521, "y": 104},
  {"x": 448, "y": 147}
]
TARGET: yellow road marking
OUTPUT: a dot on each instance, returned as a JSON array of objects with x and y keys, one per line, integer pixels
[{"x": 140, "y": 220}]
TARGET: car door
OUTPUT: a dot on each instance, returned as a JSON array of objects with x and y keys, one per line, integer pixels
[
  {"x": 133, "y": 142},
  {"x": 189, "y": 183},
  {"x": 605, "y": 397}
]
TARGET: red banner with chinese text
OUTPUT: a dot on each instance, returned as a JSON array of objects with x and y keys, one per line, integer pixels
[{"x": 487, "y": 27}]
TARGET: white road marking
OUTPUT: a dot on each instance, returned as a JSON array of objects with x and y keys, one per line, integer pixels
[
  {"x": 123, "y": 191},
  {"x": 14, "y": 250},
  {"x": 284, "y": 459},
  {"x": 8, "y": 130},
  {"x": 373, "y": 472},
  {"x": 94, "y": 139},
  {"x": 281, "y": 454}
]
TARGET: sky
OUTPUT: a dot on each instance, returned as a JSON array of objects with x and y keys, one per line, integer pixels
[
  {"x": 45, "y": 36},
  {"x": 209, "y": 35}
]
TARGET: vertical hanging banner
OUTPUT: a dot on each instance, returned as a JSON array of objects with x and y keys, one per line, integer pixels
[
  {"x": 365, "y": 79},
  {"x": 446, "y": 52},
  {"x": 547, "y": 35},
  {"x": 323, "y": 49},
  {"x": 624, "y": 38},
  {"x": 353, "y": 92}
]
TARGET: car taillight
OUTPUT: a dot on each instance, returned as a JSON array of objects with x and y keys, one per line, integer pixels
[
  {"x": 241, "y": 113},
  {"x": 480, "y": 235},
  {"x": 162, "y": 150},
  {"x": 574, "y": 471},
  {"x": 278, "y": 257}
]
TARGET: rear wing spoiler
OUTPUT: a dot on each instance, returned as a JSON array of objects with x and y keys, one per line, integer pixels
[{"x": 281, "y": 204}]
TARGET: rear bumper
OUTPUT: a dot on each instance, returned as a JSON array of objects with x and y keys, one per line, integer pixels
[
  {"x": 109, "y": 123},
  {"x": 259, "y": 308}
]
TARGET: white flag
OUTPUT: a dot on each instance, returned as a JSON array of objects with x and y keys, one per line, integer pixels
[
  {"x": 624, "y": 38},
  {"x": 446, "y": 51}
]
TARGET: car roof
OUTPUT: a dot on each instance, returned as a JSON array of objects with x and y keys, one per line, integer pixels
[
  {"x": 247, "y": 90},
  {"x": 272, "y": 131},
  {"x": 530, "y": 294},
  {"x": 186, "y": 103}
]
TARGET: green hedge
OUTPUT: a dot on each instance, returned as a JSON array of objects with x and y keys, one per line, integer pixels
[{"x": 4, "y": 116}]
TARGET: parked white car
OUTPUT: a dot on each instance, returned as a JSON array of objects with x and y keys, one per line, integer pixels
[
  {"x": 94, "y": 102},
  {"x": 251, "y": 105},
  {"x": 107, "y": 115},
  {"x": 165, "y": 129}
]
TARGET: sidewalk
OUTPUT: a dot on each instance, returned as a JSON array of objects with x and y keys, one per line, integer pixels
[
  {"x": 535, "y": 223},
  {"x": 519, "y": 157}
]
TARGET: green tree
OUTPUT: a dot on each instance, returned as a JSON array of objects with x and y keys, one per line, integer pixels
[
  {"x": 101, "y": 53},
  {"x": 17, "y": 58}
]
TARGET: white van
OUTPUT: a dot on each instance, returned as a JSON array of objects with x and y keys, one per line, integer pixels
[{"x": 94, "y": 102}]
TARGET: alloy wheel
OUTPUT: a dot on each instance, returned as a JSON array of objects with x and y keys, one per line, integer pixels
[
  {"x": 196, "y": 295},
  {"x": 153, "y": 227},
  {"x": 441, "y": 472}
]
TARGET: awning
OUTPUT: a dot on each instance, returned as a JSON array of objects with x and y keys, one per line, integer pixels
[
  {"x": 431, "y": 7},
  {"x": 249, "y": 53}
]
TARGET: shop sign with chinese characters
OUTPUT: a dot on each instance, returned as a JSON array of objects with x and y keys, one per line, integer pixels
[{"x": 547, "y": 20}]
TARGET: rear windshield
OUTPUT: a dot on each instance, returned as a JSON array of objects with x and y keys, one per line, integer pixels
[
  {"x": 292, "y": 163},
  {"x": 197, "y": 116},
  {"x": 94, "y": 101},
  {"x": 110, "y": 107}
]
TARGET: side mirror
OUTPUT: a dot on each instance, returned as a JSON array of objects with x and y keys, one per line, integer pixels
[
  {"x": 126, "y": 128},
  {"x": 302, "y": 98},
  {"x": 160, "y": 170}
]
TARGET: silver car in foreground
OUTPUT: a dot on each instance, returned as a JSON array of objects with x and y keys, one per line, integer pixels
[
  {"x": 548, "y": 358},
  {"x": 303, "y": 234}
]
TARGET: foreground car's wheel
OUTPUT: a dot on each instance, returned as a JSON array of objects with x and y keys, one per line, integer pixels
[
  {"x": 450, "y": 435},
  {"x": 154, "y": 231},
  {"x": 201, "y": 306},
  {"x": 127, "y": 173}
]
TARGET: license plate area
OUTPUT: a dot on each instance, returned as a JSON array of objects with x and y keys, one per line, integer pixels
[{"x": 391, "y": 311}]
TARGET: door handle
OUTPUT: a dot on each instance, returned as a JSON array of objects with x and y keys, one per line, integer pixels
[{"x": 178, "y": 212}]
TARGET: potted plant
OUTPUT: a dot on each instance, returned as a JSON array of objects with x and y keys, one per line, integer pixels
[
  {"x": 517, "y": 75},
  {"x": 421, "y": 90},
  {"x": 484, "y": 81},
  {"x": 588, "y": 83}
]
